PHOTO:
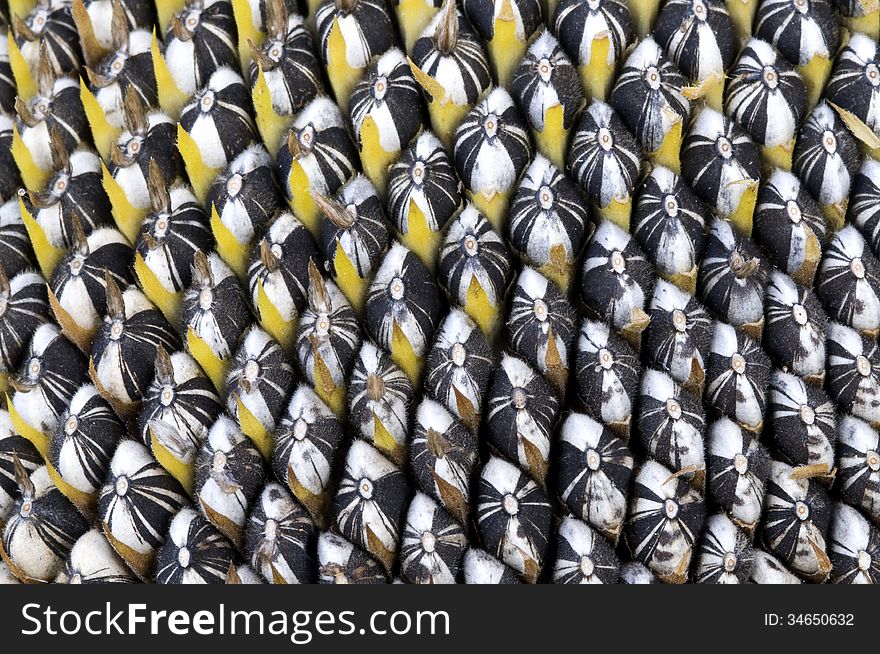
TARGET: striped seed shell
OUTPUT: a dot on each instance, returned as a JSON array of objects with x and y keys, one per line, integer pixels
[
  {"x": 635, "y": 573},
  {"x": 799, "y": 32},
  {"x": 365, "y": 26},
  {"x": 214, "y": 307},
  {"x": 83, "y": 443},
  {"x": 148, "y": 135},
  {"x": 649, "y": 95},
  {"x": 765, "y": 95},
  {"x": 307, "y": 443},
  {"x": 10, "y": 183},
  {"x": 342, "y": 562},
  {"x": 474, "y": 255},
  {"x": 12, "y": 447},
  {"x": 665, "y": 518},
  {"x": 432, "y": 545},
  {"x": 454, "y": 59},
  {"x": 218, "y": 118},
  {"x": 56, "y": 106},
  {"x": 853, "y": 547},
  {"x": 423, "y": 178},
  {"x": 671, "y": 424},
  {"x": 23, "y": 307},
  {"x": 391, "y": 98},
  {"x": 546, "y": 78},
  {"x": 794, "y": 330},
  {"x": 79, "y": 297},
  {"x": 668, "y": 223},
  {"x": 137, "y": 502},
  {"x": 733, "y": 277},
  {"x": 195, "y": 552},
  {"x": 679, "y": 334},
  {"x": 483, "y": 15},
  {"x": 540, "y": 326},
  {"x": 172, "y": 234},
  {"x": 137, "y": 15},
  {"x": 7, "y": 80},
  {"x": 16, "y": 252},
  {"x": 548, "y": 220},
  {"x": 492, "y": 145},
  {"x": 520, "y": 414},
  {"x": 480, "y": 567},
  {"x": 42, "y": 528},
  {"x": 279, "y": 266},
  {"x": 617, "y": 280},
  {"x": 738, "y": 467},
  {"x": 181, "y": 398},
  {"x": 854, "y": 84},
  {"x": 357, "y": 228},
  {"x": 319, "y": 143},
  {"x": 443, "y": 455},
  {"x": 790, "y": 226},
  {"x": 92, "y": 560},
  {"x": 607, "y": 373},
  {"x": 403, "y": 300},
  {"x": 129, "y": 64},
  {"x": 858, "y": 465},
  {"x": 124, "y": 348},
  {"x": 200, "y": 38},
  {"x": 804, "y": 426},
  {"x": 864, "y": 205},
  {"x": 328, "y": 336},
  {"x": 229, "y": 474},
  {"x": 458, "y": 367},
  {"x": 370, "y": 502},
  {"x": 73, "y": 189},
  {"x": 604, "y": 157},
  {"x": 724, "y": 554},
  {"x": 796, "y": 517},
  {"x": 848, "y": 282},
  {"x": 246, "y": 195},
  {"x": 513, "y": 517},
  {"x": 288, "y": 60},
  {"x": 767, "y": 569},
  {"x": 737, "y": 377},
  {"x": 260, "y": 379},
  {"x": 52, "y": 25},
  {"x": 379, "y": 399},
  {"x": 579, "y": 25},
  {"x": 826, "y": 158},
  {"x": 52, "y": 369},
  {"x": 583, "y": 556},
  {"x": 854, "y": 372},
  {"x": 720, "y": 162},
  {"x": 280, "y": 537},
  {"x": 594, "y": 468},
  {"x": 699, "y": 37}
]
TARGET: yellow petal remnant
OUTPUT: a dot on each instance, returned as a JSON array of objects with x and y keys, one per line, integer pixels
[
  {"x": 26, "y": 85},
  {"x": 47, "y": 254},
  {"x": 33, "y": 177},
  {"x": 167, "y": 301},
  {"x": 200, "y": 175},
  {"x": 263, "y": 440},
  {"x": 127, "y": 217},
  {"x": 506, "y": 49},
  {"x": 103, "y": 133},
  {"x": 171, "y": 98},
  {"x": 214, "y": 366},
  {"x": 234, "y": 253},
  {"x": 270, "y": 124},
  {"x": 278, "y": 327}
]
